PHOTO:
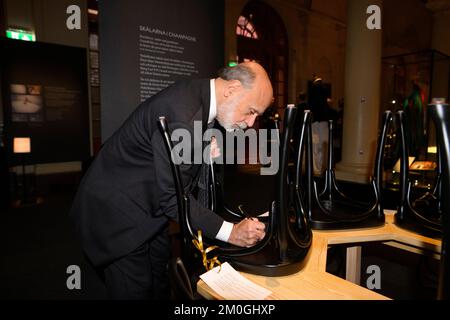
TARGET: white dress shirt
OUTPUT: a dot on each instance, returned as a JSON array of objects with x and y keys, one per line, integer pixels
[{"x": 227, "y": 227}]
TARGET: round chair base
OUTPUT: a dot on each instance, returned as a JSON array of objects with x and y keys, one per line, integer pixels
[
  {"x": 412, "y": 224},
  {"x": 322, "y": 221},
  {"x": 268, "y": 262}
]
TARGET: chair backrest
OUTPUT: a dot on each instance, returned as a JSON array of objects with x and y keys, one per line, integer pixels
[
  {"x": 285, "y": 199},
  {"x": 179, "y": 280},
  {"x": 379, "y": 155},
  {"x": 440, "y": 114},
  {"x": 182, "y": 198},
  {"x": 404, "y": 162},
  {"x": 405, "y": 184},
  {"x": 304, "y": 150},
  {"x": 184, "y": 212}
]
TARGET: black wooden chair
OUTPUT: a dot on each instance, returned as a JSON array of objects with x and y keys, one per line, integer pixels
[
  {"x": 440, "y": 113},
  {"x": 286, "y": 244},
  {"x": 331, "y": 208},
  {"x": 180, "y": 281},
  {"x": 423, "y": 215}
]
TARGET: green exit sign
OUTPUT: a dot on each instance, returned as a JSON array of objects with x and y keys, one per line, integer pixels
[{"x": 20, "y": 35}]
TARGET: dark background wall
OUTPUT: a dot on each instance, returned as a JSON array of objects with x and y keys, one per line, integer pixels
[
  {"x": 54, "y": 78},
  {"x": 147, "y": 45}
]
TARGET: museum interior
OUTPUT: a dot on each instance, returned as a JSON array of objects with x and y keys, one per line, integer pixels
[{"x": 359, "y": 138}]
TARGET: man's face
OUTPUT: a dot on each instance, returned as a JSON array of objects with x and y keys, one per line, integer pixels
[{"x": 240, "y": 110}]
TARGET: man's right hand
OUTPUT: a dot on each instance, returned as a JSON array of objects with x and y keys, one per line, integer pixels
[{"x": 247, "y": 233}]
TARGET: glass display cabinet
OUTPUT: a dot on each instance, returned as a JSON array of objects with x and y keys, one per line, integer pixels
[{"x": 409, "y": 83}]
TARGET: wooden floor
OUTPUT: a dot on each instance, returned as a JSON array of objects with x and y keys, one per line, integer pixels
[{"x": 314, "y": 283}]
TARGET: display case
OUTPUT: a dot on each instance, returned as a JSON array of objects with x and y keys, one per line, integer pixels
[
  {"x": 429, "y": 70},
  {"x": 409, "y": 83}
]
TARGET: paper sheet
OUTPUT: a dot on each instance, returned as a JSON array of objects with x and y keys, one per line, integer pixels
[{"x": 231, "y": 285}]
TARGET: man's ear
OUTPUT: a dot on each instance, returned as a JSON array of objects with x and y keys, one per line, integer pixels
[{"x": 231, "y": 87}]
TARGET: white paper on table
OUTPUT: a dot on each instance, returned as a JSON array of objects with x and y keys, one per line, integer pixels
[{"x": 231, "y": 285}]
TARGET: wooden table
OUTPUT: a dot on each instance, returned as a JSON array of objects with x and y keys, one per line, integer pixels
[{"x": 314, "y": 283}]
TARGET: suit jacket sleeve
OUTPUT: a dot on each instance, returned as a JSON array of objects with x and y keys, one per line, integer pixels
[{"x": 201, "y": 218}]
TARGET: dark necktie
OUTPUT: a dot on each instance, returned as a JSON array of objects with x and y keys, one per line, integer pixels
[{"x": 204, "y": 179}]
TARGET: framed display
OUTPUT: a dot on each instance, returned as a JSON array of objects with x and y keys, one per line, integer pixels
[{"x": 45, "y": 97}]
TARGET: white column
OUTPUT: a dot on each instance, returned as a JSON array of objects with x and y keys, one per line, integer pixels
[{"x": 362, "y": 94}]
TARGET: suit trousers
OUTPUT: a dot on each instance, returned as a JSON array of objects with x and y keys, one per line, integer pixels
[{"x": 142, "y": 274}]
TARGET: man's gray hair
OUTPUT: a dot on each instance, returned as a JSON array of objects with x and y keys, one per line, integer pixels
[{"x": 240, "y": 72}]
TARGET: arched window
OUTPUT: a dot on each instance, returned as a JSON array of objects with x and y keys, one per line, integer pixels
[
  {"x": 245, "y": 28},
  {"x": 269, "y": 46}
]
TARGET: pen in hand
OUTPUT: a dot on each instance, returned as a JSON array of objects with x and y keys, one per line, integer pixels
[
  {"x": 259, "y": 227},
  {"x": 247, "y": 216}
]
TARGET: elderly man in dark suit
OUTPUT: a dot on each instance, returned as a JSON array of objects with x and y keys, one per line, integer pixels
[{"x": 126, "y": 199}]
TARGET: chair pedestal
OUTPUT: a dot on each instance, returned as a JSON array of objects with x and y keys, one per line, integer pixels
[
  {"x": 410, "y": 215},
  {"x": 331, "y": 209}
]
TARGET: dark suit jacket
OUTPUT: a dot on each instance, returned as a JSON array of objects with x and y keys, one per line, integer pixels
[
  {"x": 317, "y": 103},
  {"x": 128, "y": 196}
]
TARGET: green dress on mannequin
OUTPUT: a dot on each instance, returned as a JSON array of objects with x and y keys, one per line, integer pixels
[{"x": 413, "y": 106}]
